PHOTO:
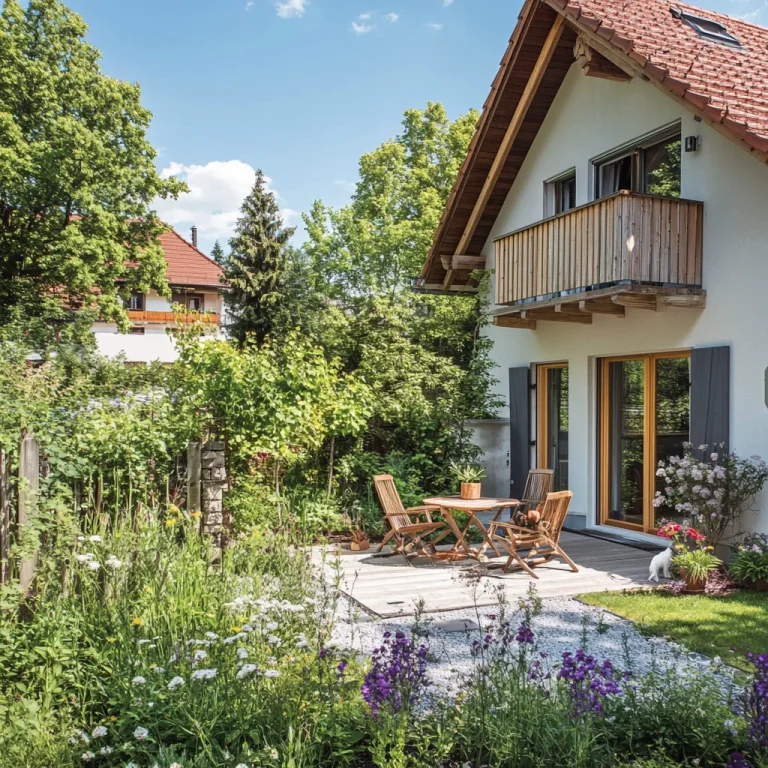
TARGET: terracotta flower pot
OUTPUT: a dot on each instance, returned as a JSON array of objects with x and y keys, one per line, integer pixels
[
  {"x": 470, "y": 491},
  {"x": 692, "y": 586},
  {"x": 360, "y": 545}
]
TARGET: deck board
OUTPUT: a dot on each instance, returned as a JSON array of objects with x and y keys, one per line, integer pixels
[{"x": 389, "y": 587}]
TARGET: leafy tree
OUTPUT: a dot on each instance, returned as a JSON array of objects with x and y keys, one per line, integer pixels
[
  {"x": 217, "y": 254},
  {"x": 256, "y": 266},
  {"x": 377, "y": 243},
  {"x": 77, "y": 178}
]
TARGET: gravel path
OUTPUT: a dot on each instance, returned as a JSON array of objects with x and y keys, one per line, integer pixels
[{"x": 561, "y": 626}]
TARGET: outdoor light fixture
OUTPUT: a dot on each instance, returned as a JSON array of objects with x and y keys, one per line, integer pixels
[{"x": 691, "y": 143}]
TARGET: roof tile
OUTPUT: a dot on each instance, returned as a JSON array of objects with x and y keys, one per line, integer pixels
[{"x": 188, "y": 265}]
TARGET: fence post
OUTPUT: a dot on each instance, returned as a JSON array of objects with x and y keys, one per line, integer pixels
[
  {"x": 194, "y": 475},
  {"x": 5, "y": 517},
  {"x": 214, "y": 482},
  {"x": 29, "y": 484}
]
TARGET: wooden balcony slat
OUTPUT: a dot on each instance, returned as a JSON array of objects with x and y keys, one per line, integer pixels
[
  {"x": 212, "y": 318},
  {"x": 644, "y": 239}
]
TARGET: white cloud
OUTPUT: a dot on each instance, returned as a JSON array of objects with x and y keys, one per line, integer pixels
[
  {"x": 434, "y": 25},
  {"x": 392, "y": 17},
  {"x": 249, "y": 5},
  {"x": 291, "y": 9},
  {"x": 446, "y": 3},
  {"x": 751, "y": 16},
  {"x": 361, "y": 26},
  {"x": 216, "y": 192}
]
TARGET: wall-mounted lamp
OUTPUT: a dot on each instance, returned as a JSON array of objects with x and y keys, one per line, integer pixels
[{"x": 692, "y": 143}]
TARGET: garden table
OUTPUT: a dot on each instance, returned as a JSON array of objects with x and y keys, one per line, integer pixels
[{"x": 450, "y": 504}]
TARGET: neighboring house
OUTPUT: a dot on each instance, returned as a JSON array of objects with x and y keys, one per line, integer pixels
[
  {"x": 617, "y": 190},
  {"x": 195, "y": 282}
]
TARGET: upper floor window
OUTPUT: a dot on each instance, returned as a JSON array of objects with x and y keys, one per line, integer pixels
[
  {"x": 652, "y": 166},
  {"x": 136, "y": 302},
  {"x": 560, "y": 194},
  {"x": 193, "y": 302}
]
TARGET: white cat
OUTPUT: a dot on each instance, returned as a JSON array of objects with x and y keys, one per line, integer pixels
[{"x": 662, "y": 561}]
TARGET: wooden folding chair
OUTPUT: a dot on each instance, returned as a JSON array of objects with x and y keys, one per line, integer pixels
[
  {"x": 542, "y": 543},
  {"x": 411, "y": 538},
  {"x": 539, "y": 484}
]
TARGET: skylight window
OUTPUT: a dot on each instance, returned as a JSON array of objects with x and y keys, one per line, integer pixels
[{"x": 707, "y": 28}]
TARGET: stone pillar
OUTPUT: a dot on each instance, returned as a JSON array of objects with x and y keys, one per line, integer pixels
[{"x": 213, "y": 484}]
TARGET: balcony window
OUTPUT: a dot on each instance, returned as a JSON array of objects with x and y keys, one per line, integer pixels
[
  {"x": 652, "y": 167},
  {"x": 136, "y": 302},
  {"x": 192, "y": 302},
  {"x": 560, "y": 194}
]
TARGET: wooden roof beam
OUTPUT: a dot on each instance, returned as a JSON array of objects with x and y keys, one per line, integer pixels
[
  {"x": 594, "y": 64},
  {"x": 601, "y": 307},
  {"x": 469, "y": 263},
  {"x": 514, "y": 321},
  {"x": 532, "y": 86},
  {"x": 560, "y": 314},
  {"x": 636, "y": 300}
]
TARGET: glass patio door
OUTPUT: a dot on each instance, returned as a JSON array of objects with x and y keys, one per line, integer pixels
[
  {"x": 552, "y": 422},
  {"x": 644, "y": 418}
]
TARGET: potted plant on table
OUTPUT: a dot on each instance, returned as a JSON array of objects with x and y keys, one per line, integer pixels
[
  {"x": 750, "y": 565},
  {"x": 694, "y": 558},
  {"x": 470, "y": 476}
]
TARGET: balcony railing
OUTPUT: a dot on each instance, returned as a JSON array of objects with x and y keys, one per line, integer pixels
[
  {"x": 170, "y": 317},
  {"x": 627, "y": 237}
]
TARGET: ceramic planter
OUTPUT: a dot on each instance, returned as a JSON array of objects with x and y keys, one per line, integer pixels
[
  {"x": 470, "y": 491},
  {"x": 692, "y": 586}
]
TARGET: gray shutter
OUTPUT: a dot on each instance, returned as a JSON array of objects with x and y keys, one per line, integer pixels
[
  {"x": 520, "y": 428},
  {"x": 710, "y": 396}
]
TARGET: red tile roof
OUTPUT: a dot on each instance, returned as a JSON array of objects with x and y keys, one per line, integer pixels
[
  {"x": 728, "y": 84},
  {"x": 187, "y": 265}
]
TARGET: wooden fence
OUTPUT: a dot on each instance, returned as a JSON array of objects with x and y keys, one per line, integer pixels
[{"x": 624, "y": 237}]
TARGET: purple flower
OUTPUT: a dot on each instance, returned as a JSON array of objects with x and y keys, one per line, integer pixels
[
  {"x": 524, "y": 633},
  {"x": 397, "y": 676},
  {"x": 589, "y": 683},
  {"x": 739, "y": 761},
  {"x": 755, "y": 703}
]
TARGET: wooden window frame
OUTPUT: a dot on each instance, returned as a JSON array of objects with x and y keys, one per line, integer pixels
[
  {"x": 542, "y": 411},
  {"x": 649, "y": 437},
  {"x": 140, "y": 299},
  {"x": 636, "y": 150},
  {"x": 553, "y": 192}
]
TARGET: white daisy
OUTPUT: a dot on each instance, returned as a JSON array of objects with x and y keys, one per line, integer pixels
[
  {"x": 204, "y": 674},
  {"x": 246, "y": 671},
  {"x": 177, "y": 682},
  {"x": 139, "y": 680},
  {"x": 211, "y": 635},
  {"x": 242, "y": 653},
  {"x": 140, "y": 733},
  {"x": 95, "y": 539},
  {"x": 88, "y": 756},
  {"x": 106, "y": 751},
  {"x": 271, "y": 673},
  {"x": 99, "y": 731}
]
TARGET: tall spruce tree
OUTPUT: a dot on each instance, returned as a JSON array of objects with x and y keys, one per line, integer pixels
[
  {"x": 256, "y": 265},
  {"x": 217, "y": 254}
]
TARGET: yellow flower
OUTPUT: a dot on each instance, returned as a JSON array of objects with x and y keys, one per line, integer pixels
[
  {"x": 111, "y": 639},
  {"x": 679, "y": 547},
  {"x": 113, "y": 719},
  {"x": 236, "y": 629},
  {"x": 173, "y": 508},
  {"x": 171, "y": 521},
  {"x": 148, "y": 590},
  {"x": 196, "y": 514},
  {"x": 137, "y": 622},
  {"x": 710, "y": 549}
]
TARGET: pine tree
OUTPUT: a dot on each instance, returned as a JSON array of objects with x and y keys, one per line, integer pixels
[
  {"x": 217, "y": 254},
  {"x": 256, "y": 265}
]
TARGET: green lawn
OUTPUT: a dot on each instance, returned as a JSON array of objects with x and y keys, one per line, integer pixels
[{"x": 716, "y": 626}]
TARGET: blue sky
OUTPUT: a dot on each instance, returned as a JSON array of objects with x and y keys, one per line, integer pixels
[{"x": 299, "y": 88}]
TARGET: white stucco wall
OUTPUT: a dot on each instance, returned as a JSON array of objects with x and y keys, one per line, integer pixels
[
  {"x": 155, "y": 344},
  {"x": 590, "y": 117}
]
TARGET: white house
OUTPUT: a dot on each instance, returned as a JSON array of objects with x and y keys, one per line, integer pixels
[
  {"x": 617, "y": 190},
  {"x": 195, "y": 282}
]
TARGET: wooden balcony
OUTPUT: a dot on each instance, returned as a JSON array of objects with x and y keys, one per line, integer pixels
[
  {"x": 624, "y": 250},
  {"x": 170, "y": 318}
]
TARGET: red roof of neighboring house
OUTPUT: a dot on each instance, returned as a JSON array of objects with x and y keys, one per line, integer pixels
[
  {"x": 729, "y": 84},
  {"x": 726, "y": 85},
  {"x": 188, "y": 265}
]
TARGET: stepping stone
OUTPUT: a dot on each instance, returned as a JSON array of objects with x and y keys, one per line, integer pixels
[{"x": 456, "y": 625}]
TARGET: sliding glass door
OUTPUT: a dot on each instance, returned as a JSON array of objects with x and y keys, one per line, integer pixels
[
  {"x": 552, "y": 421},
  {"x": 644, "y": 418}
]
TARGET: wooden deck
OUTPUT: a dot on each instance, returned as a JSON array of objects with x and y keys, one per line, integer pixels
[{"x": 388, "y": 586}]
